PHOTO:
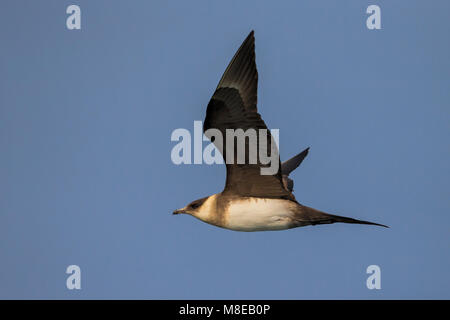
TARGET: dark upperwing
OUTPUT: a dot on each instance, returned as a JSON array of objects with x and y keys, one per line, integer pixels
[
  {"x": 233, "y": 106},
  {"x": 290, "y": 165}
]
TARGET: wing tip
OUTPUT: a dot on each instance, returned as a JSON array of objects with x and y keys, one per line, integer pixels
[{"x": 250, "y": 38}]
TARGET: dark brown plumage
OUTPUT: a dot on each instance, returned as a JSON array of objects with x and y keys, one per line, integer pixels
[
  {"x": 233, "y": 106},
  {"x": 250, "y": 200}
]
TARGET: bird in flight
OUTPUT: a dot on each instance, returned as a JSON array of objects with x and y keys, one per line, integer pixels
[{"x": 251, "y": 201}]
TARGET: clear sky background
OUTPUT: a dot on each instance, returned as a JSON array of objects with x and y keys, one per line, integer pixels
[{"x": 86, "y": 176}]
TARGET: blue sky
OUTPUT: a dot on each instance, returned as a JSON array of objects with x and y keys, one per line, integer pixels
[{"x": 86, "y": 176}]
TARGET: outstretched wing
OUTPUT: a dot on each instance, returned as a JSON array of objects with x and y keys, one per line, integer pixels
[
  {"x": 233, "y": 106},
  {"x": 290, "y": 165}
]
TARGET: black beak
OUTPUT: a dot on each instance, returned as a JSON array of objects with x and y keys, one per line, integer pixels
[{"x": 178, "y": 211}]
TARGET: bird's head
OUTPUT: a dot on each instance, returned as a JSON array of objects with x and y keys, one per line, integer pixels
[{"x": 192, "y": 208}]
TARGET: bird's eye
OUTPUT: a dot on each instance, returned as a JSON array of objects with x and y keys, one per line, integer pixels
[{"x": 195, "y": 205}]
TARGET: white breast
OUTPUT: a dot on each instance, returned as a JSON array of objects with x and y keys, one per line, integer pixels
[{"x": 257, "y": 214}]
